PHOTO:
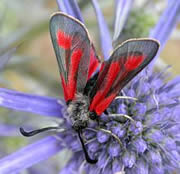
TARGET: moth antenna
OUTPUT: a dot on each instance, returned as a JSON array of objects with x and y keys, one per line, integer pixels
[
  {"x": 112, "y": 134},
  {"x": 122, "y": 115},
  {"x": 126, "y": 97},
  {"x": 122, "y": 171},
  {"x": 81, "y": 168},
  {"x": 123, "y": 96},
  {"x": 156, "y": 101},
  {"x": 108, "y": 132},
  {"x": 88, "y": 159},
  {"x": 35, "y": 132}
]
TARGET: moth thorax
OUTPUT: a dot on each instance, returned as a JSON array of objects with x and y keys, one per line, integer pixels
[{"x": 78, "y": 112}]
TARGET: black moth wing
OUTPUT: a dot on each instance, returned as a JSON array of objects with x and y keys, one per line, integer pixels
[
  {"x": 126, "y": 62},
  {"x": 72, "y": 48},
  {"x": 133, "y": 48}
]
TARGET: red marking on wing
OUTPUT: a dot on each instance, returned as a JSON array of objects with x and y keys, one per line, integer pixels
[
  {"x": 101, "y": 107},
  {"x": 109, "y": 79},
  {"x": 95, "y": 100},
  {"x": 93, "y": 63},
  {"x": 70, "y": 87},
  {"x": 64, "y": 88},
  {"x": 75, "y": 60},
  {"x": 133, "y": 62},
  {"x": 102, "y": 67},
  {"x": 64, "y": 40}
]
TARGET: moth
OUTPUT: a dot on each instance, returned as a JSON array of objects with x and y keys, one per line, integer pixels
[{"x": 89, "y": 84}]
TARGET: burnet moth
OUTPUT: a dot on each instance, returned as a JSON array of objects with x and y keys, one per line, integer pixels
[{"x": 88, "y": 94}]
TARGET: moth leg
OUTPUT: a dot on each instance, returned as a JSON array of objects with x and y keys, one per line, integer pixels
[
  {"x": 112, "y": 134},
  {"x": 98, "y": 121},
  {"x": 93, "y": 116},
  {"x": 106, "y": 112},
  {"x": 127, "y": 98},
  {"x": 108, "y": 132},
  {"x": 122, "y": 115}
]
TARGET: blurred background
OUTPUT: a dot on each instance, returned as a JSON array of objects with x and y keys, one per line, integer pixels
[{"x": 33, "y": 67}]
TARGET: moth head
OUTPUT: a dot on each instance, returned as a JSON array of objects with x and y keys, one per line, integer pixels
[{"x": 80, "y": 124}]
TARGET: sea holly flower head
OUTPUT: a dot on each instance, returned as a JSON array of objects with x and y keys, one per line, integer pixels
[
  {"x": 138, "y": 135},
  {"x": 141, "y": 143}
]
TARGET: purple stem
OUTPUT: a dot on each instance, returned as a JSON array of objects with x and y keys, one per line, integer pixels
[
  {"x": 4, "y": 58},
  {"x": 106, "y": 41},
  {"x": 8, "y": 130},
  {"x": 61, "y": 6},
  {"x": 71, "y": 8},
  {"x": 166, "y": 24},
  {"x": 65, "y": 7},
  {"x": 123, "y": 8},
  {"x": 76, "y": 10},
  {"x": 30, "y": 155},
  {"x": 45, "y": 106}
]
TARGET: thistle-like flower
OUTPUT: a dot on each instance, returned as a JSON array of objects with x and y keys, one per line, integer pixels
[{"x": 139, "y": 134}]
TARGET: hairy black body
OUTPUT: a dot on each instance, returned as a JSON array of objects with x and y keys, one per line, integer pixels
[
  {"x": 78, "y": 109},
  {"x": 89, "y": 86},
  {"x": 78, "y": 112}
]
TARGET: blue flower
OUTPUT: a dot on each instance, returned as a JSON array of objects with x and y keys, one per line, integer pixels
[{"x": 140, "y": 134}]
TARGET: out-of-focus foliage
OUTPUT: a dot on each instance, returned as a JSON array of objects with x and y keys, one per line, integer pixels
[
  {"x": 33, "y": 67},
  {"x": 138, "y": 25}
]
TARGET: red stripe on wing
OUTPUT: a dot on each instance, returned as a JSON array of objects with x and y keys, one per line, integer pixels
[
  {"x": 133, "y": 61},
  {"x": 113, "y": 78},
  {"x": 70, "y": 88},
  {"x": 101, "y": 107},
  {"x": 75, "y": 60},
  {"x": 94, "y": 63},
  {"x": 113, "y": 71},
  {"x": 64, "y": 88},
  {"x": 64, "y": 40}
]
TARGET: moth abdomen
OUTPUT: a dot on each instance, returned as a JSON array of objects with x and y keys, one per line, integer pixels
[{"x": 78, "y": 112}]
